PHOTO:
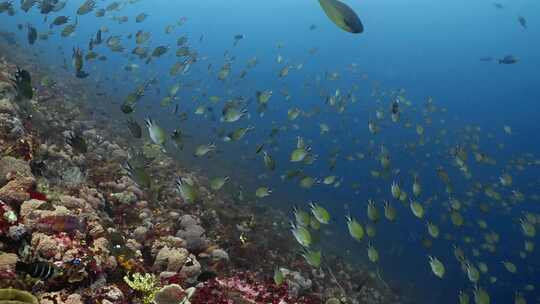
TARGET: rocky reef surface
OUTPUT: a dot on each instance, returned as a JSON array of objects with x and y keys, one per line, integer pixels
[{"x": 76, "y": 228}]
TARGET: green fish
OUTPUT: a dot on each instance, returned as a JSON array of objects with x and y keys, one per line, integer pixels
[
  {"x": 293, "y": 113},
  {"x": 301, "y": 151},
  {"x": 218, "y": 182},
  {"x": 269, "y": 161},
  {"x": 355, "y": 228},
  {"x": 141, "y": 17},
  {"x": 142, "y": 37},
  {"x": 70, "y": 28},
  {"x": 342, "y": 16},
  {"x": 263, "y": 96},
  {"x": 139, "y": 175},
  {"x": 302, "y": 217},
  {"x": 239, "y": 133},
  {"x": 301, "y": 234},
  {"x": 372, "y": 211},
  {"x": 86, "y": 7},
  {"x": 232, "y": 114},
  {"x": 312, "y": 257},
  {"x": 157, "y": 134},
  {"x": 329, "y": 180},
  {"x": 299, "y": 154},
  {"x": 307, "y": 182},
  {"x": 203, "y": 150},
  {"x": 322, "y": 215},
  {"x": 224, "y": 72},
  {"x": 187, "y": 190},
  {"x": 262, "y": 192},
  {"x": 279, "y": 278}
]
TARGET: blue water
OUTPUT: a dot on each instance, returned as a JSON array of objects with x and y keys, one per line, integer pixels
[{"x": 426, "y": 48}]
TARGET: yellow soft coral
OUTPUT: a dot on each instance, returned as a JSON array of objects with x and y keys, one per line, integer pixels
[{"x": 143, "y": 283}]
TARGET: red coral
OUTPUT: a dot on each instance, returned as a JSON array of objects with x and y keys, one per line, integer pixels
[
  {"x": 37, "y": 195},
  {"x": 177, "y": 278},
  {"x": 245, "y": 288}
]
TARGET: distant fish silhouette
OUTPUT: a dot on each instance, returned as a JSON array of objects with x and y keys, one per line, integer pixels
[
  {"x": 522, "y": 21},
  {"x": 509, "y": 59},
  {"x": 81, "y": 74}
]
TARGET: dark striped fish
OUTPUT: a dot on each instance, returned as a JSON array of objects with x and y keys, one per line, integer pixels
[{"x": 41, "y": 270}]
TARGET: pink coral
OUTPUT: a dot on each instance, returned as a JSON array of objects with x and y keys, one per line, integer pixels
[
  {"x": 54, "y": 246},
  {"x": 246, "y": 288}
]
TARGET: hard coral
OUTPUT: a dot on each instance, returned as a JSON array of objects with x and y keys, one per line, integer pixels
[
  {"x": 109, "y": 294},
  {"x": 7, "y": 262},
  {"x": 173, "y": 294},
  {"x": 171, "y": 259},
  {"x": 13, "y": 167},
  {"x": 54, "y": 246},
  {"x": 191, "y": 269},
  {"x": 11, "y": 127},
  {"x": 194, "y": 235},
  {"x": 16, "y": 191}
]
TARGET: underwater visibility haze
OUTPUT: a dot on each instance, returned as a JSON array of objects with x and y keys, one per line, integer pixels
[{"x": 307, "y": 151}]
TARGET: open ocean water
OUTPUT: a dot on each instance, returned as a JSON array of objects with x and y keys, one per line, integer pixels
[{"x": 442, "y": 96}]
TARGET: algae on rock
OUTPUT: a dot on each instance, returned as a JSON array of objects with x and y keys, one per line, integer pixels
[
  {"x": 145, "y": 284},
  {"x": 16, "y": 296}
]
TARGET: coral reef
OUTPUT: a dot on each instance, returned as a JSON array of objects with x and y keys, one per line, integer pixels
[
  {"x": 244, "y": 288},
  {"x": 106, "y": 237}
]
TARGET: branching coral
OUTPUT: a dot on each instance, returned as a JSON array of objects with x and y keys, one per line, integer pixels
[{"x": 146, "y": 284}]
